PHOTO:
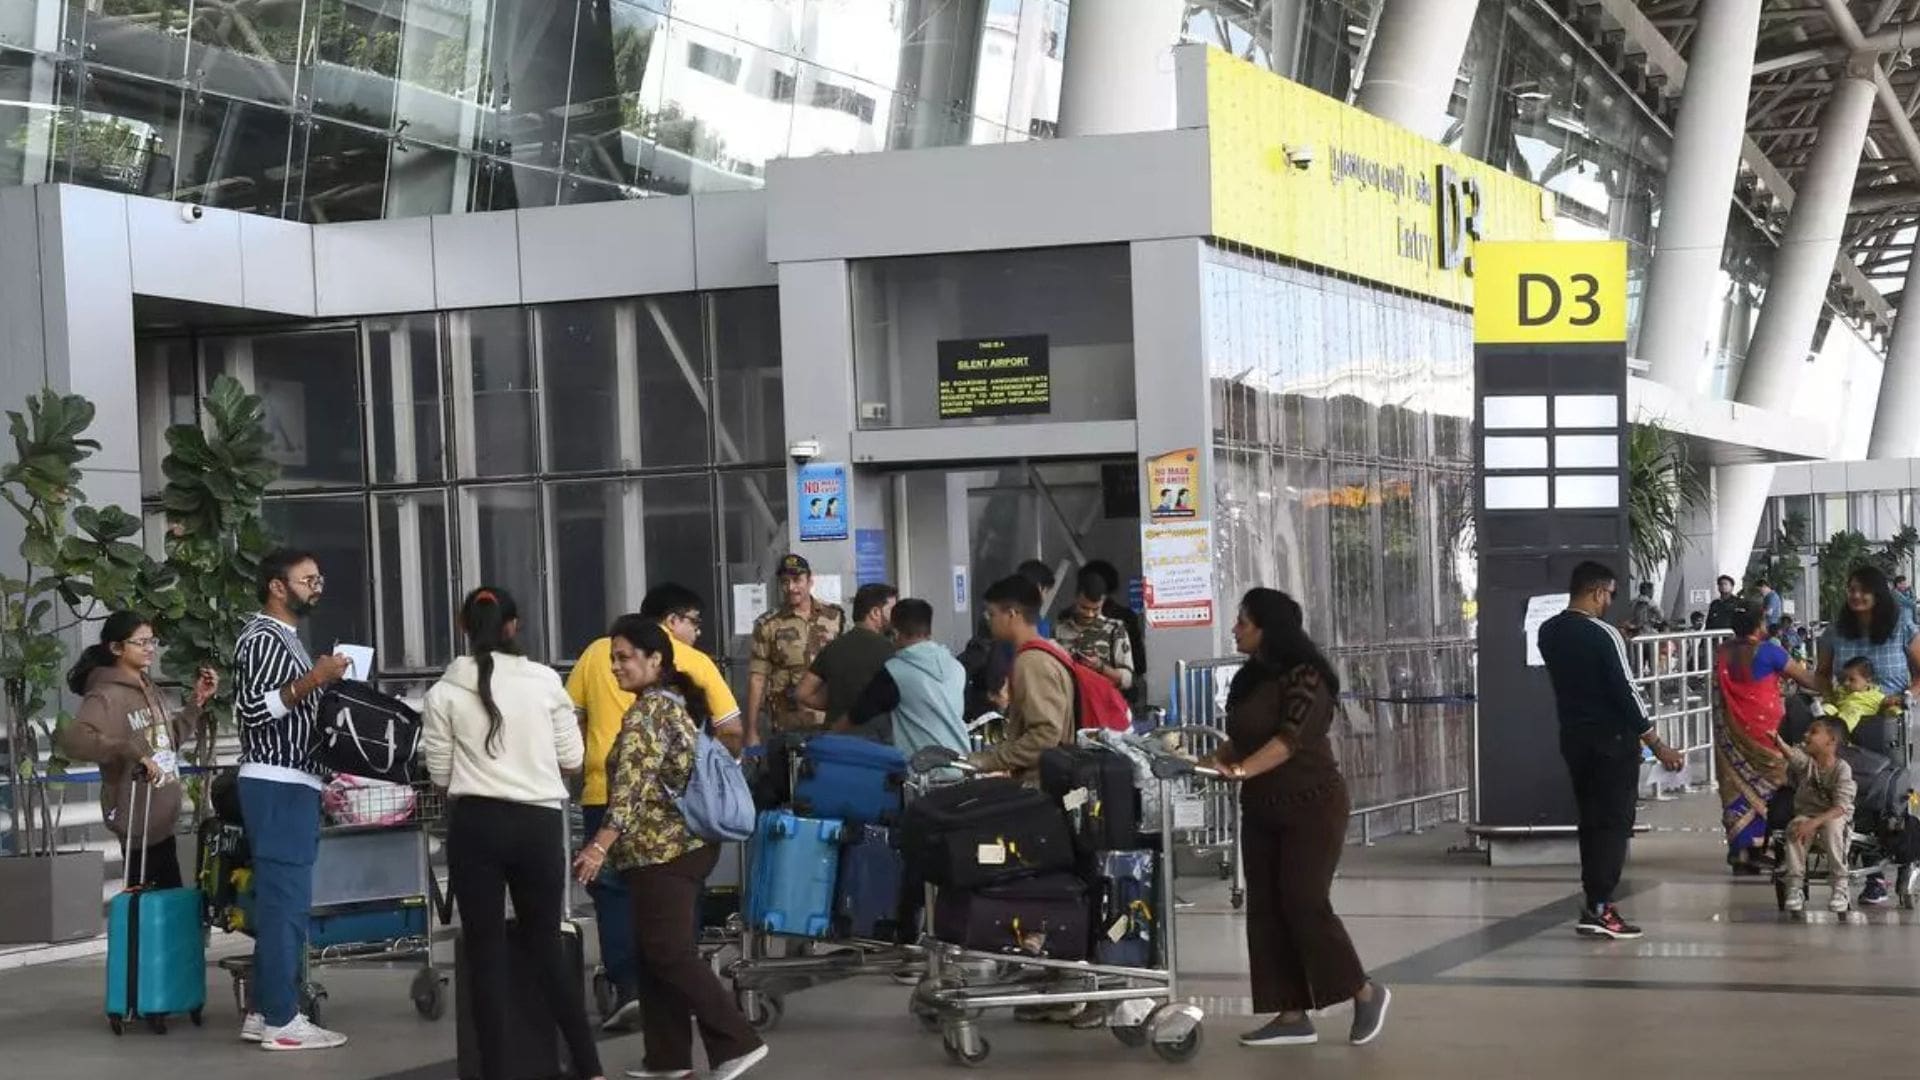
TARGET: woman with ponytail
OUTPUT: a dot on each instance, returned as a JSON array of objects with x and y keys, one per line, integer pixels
[
  {"x": 498, "y": 733},
  {"x": 123, "y": 726}
]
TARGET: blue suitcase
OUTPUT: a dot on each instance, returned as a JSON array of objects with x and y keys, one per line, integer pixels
[
  {"x": 1124, "y": 933},
  {"x": 156, "y": 958},
  {"x": 792, "y": 861},
  {"x": 856, "y": 780},
  {"x": 866, "y": 899},
  {"x": 367, "y": 925}
]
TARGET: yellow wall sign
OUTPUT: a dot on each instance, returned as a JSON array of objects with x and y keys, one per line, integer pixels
[
  {"x": 1551, "y": 292},
  {"x": 1300, "y": 175}
]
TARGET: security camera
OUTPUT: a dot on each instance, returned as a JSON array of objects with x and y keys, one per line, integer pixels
[
  {"x": 1300, "y": 157},
  {"x": 803, "y": 451},
  {"x": 192, "y": 212}
]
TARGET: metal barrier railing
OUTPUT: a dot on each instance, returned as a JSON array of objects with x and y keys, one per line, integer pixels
[{"x": 1673, "y": 674}]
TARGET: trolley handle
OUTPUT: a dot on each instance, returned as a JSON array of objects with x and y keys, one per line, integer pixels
[
  {"x": 1168, "y": 765},
  {"x": 934, "y": 758}
]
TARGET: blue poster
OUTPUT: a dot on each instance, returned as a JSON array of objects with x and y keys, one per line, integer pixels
[
  {"x": 820, "y": 501},
  {"x": 869, "y": 556}
]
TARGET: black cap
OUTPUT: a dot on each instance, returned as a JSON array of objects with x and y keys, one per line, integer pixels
[{"x": 795, "y": 566}]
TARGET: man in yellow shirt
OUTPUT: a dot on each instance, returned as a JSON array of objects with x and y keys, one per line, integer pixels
[{"x": 603, "y": 706}]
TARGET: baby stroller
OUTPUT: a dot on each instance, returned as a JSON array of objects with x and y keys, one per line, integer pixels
[{"x": 1886, "y": 825}]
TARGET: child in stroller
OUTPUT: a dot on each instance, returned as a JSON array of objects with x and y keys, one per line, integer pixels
[{"x": 1884, "y": 830}]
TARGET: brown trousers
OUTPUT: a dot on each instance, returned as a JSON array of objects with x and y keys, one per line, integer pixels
[
  {"x": 677, "y": 988},
  {"x": 1298, "y": 951}
]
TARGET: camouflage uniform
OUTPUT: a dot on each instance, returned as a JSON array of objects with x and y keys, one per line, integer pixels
[
  {"x": 784, "y": 645},
  {"x": 1106, "y": 639}
]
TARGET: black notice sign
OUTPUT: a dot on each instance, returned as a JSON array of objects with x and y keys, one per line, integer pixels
[{"x": 995, "y": 377}]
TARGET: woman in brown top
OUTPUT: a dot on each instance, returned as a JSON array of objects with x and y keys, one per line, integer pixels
[{"x": 1293, "y": 810}]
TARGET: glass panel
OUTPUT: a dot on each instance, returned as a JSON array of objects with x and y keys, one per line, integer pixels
[
  {"x": 530, "y": 60},
  {"x": 501, "y": 545},
  {"x": 353, "y": 54},
  {"x": 753, "y": 537},
  {"x": 1080, "y": 298},
  {"x": 247, "y": 51},
  {"x": 625, "y": 383},
  {"x": 1303, "y": 540},
  {"x": 838, "y": 113},
  {"x": 416, "y": 580},
  {"x": 1406, "y": 556},
  {"x": 145, "y": 37},
  {"x": 165, "y": 369},
  {"x": 617, "y": 538},
  {"x": 309, "y": 383},
  {"x": 28, "y": 89},
  {"x": 234, "y": 155},
  {"x": 404, "y": 399},
  {"x": 442, "y": 74},
  {"x": 343, "y": 175},
  {"x": 749, "y": 411},
  {"x": 497, "y": 185},
  {"x": 726, "y": 109},
  {"x": 1355, "y": 503},
  {"x": 122, "y": 138},
  {"x": 1457, "y": 569},
  {"x": 424, "y": 180},
  {"x": 494, "y": 395},
  {"x": 335, "y": 530}
]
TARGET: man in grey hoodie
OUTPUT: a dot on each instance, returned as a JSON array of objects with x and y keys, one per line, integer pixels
[{"x": 917, "y": 699}]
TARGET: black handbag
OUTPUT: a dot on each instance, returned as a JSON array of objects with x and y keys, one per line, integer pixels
[{"x": 363, "y": 732}]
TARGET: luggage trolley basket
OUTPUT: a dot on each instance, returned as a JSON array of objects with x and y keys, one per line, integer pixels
[
  {"x": 375, "y": 893},
  {"x": 844, "y": 864},
  {"x": 1139, "y": 1004},
  {"x": 1205, "y": 815}
]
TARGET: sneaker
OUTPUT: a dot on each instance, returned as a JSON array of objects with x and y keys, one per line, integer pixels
[
  {"x": 1796, "y": 901},
  {"x": 625, "y": 1015},
  {"x": 300, "y": 1034},
  {"x": 1280, "y": 1032},
  {"x": 1838, "y": 902},
  {"x": 659, "y": 1074},
  {"x": 1606, "y": 923},
  {"x": 729, "y": 1070},
  {"x": 1370, "y": 1017},
  {"x": 1875, "y": 892},
  {"x": 253, "y": 1028}
]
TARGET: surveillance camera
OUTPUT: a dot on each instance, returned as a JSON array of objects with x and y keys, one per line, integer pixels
[
  {"x": 192, "y": 212},
  {"x": 803, "y": 451},
  {"x": 1300, "y": 157}
]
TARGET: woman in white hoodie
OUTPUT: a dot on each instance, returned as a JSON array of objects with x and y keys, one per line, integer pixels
[{"x": 499, "y": 731}]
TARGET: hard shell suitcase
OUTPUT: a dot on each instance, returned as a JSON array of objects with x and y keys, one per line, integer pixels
[
  {"x": 1042, "y": 915},
  {"x": 855, "y": 780},
  {"x": 353, "y": 926},
  {"x": 534, "y": 1048},
  {"x": 1096, "y": 788},
  {"x": 156, "y": 949},
  {"x": 867, "y": 897},
  {"x": 1124, "y": 931},
  {"x": 983, "y": 831},
  {"x": 791, "y": 868}
]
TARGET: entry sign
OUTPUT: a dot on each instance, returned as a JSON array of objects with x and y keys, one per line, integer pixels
[{"x": 1550, "y": 412}]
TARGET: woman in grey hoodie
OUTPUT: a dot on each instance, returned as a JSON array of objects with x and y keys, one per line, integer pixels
[{"x": 123, "y": 726}]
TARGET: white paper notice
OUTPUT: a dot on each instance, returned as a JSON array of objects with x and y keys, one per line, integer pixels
[
  {"x": 749, "y": 603},
  {"x": 1178, "y": 562},
  {"x": 1539, "y": 610},
  {"x": 827, "y": 587},
  {"x": 359, "y": 660}
]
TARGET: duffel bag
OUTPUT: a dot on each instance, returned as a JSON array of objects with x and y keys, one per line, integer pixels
[
  {"x": 984, "y": 831},
  {"x": 363, "y": 732}
]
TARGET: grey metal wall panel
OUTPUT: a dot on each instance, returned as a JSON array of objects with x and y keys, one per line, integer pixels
[
  {"x": 476, "y": 259},
  {"x": 23, "y": 362},
  {"x": 817, "y": 384},
  {"x": 631, "y": 248},
  {"x": 372, "y": 267},
  {"x": 276, "y": 265},
  {"x": 1004, "y": 442},
  {"x": 184, "y": 259},
  {"x": 730, "y": 240},
  {"x": 979, "y": 198},
  {"x": 87, "y": 294}
]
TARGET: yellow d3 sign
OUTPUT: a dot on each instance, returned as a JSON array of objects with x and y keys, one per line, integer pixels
[{"x": 1550, "y": 292}]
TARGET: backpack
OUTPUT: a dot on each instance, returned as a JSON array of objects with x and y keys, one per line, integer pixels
[
  {"x": 1097, "y": 703},
  {"x": 363, "y": 732},
  {"x": 718, "y": 804}
]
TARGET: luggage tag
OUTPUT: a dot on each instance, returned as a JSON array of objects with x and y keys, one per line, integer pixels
[
  {"x": 169, "y": 763},
  {"x": 1118, "y": 930},
  {"x": 993, "y": 854},
  {"x": 1075, "y": 799}
]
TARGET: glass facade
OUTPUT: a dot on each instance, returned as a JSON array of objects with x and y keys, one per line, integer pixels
[
  {"x": 630, "y": 441},
  {"x": 343, "y": 110},
  {"x": 1343, "y": 475}
]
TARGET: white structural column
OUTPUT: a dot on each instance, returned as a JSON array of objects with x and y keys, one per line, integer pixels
[
  {"x": 1674, "y": 325},
  {"x": 1118, "y": 73},
  {"x": 1896, "y": 419},
  {"x": 1415, "y": 60},
  {"x": 1797, "y": 288}
]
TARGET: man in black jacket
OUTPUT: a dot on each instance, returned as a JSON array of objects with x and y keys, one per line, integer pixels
[
  {"x": 1603, "y": 722},
  {"x": 1720, "y": 612}
]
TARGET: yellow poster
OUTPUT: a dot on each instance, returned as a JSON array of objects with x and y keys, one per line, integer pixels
[{"x": 1173, "y": 486}]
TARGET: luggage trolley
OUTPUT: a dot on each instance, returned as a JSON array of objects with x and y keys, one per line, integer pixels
[
  {"x": 1146, "y": 1005},
  {"x": 375, "y": 897},
  {"x": 1206, "y": 816}
]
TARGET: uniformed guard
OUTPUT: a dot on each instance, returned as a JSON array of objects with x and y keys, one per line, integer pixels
[
  {"x": 1087, "y": 632},
  {"x": 785, "y": 643}
]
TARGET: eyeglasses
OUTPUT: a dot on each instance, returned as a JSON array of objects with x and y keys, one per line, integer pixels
[
  {"x": 316, "y": 582},
  {"x": 690, "y": 617},
  {"x": 143, "y": 642}
]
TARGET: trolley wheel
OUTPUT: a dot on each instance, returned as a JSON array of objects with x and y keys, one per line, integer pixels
[
  {"x": 965, "y": 1045},
  {"x": 1133, "y": 1036},
  {"x": 311, "y": 999},
  {"x": 157, "y": 1025},
  {"x": 1174, "y": 1029},
  {"x": 604, "y": 998},
  {"x": 762, "y": 1010},
  {"x": 1180, "y": 1051},
  {"x": 429, "y": 994},
  {"x": 199, "y": 1017},
  {"x": 116, "y": 1024}
]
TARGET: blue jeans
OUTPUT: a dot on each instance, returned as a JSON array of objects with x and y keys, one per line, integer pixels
[
  {"x": 283, "y": 830},
  {"x": 613, "y": 915}
]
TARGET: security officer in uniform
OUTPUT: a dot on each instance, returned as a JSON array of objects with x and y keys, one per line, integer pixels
[
  {"x": 785, "y": 643},
  {"x": 1086, "y": 631}
]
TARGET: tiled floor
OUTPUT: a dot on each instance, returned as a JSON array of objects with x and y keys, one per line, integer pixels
[{"x": 1489, "y": 980}]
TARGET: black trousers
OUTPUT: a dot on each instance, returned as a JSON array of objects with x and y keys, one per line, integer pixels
[
  {"x": 678, "y": 990},
  {"x": 495, "y": 848},
  {"x": 1605, "y": 768},
  {"x": 1298, "y": 953},
  {"x": 156, "y": 867}
]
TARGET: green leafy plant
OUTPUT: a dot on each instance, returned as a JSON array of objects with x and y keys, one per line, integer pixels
[
  {"x": 1663, "y": 483},
  {"x": 1780, "y": 562},
  {"x": 1847, "y": 551}
]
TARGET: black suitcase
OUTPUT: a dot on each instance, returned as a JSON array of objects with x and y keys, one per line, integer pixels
[
  {"x": 983, "y": 831},
  {"x": 534, "y": 1048},
  {"x": 1096, "y": 788},
  {"x": 1039, "y": 915}
]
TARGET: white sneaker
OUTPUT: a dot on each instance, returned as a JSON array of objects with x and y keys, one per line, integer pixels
[
  {"x": 661, "y": 1074},
  {"x": 1796, "y": 901},
  {"x": 253, "y": 1028},
  {"x": 729, "y": 1070},
  {"x": 301, "y": 1034},
  {"x": 1840, "y": 903}
]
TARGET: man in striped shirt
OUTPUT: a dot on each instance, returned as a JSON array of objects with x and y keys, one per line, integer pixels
[{"x": 276, "y": 697}]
